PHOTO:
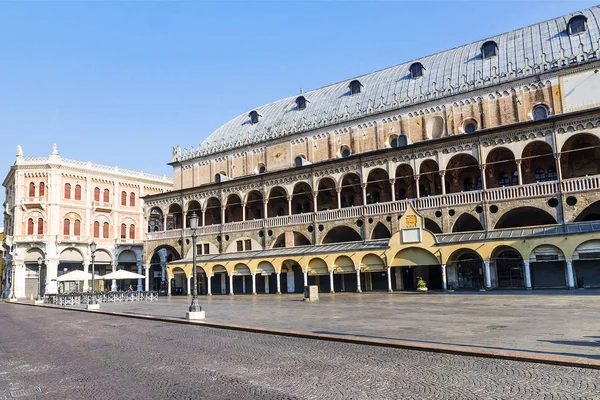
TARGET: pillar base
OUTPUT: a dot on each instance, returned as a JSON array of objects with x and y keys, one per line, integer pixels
[
  {"x": 231, "y": 294},
  {"x": 359, "y": 291},
  {"x": 254, "y": 293},
  {"x": 38, "y": 302},
  {"x": 11, "y": 300},
  {"x": 209, "y": 294},
  {"x": 195, "y": 315},
  {"x": 93, "y": 306},
  {"x": 390, "y": 291},
  {"x": 278, "y": 292},
  {"x": 332, "y": 291}
]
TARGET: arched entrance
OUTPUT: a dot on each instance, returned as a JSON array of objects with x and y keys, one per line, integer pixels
[
  {"x": 292, "y": 276},
  {"x": 590, "y": 213},
  {"x": 266, "y": 278},
  {"x": 70, "y": 259},
  {"x": 579, "y": 156},
  {"x": 405, "y": 182},
  {"x": 586, "y": 264},
  {"x": 548, "y": 267},
  {"x": 242, "y": 279},
  {"x": 127, "y": 261},
  {"x": 351, "y": 191},
  {"x": 501, "y": 168},
  {"x": 538, "y": 163},
  {"x": 278, "y": 203},
  {"x": 463, "y": 174},
  {"x": 344, "y": 278},
  {"x": 430, "y": 182},
  {"x": 219, "y": 281},
  {"x": 375, "y": 272},
  {"x": 318, "y": 274},
  {"x": 378, "y": 187},
  {"x": 302, "y": 198},
  {"x": 414, "y": 263},
  {"x": 509, "y": 268},
  {"x": 465, "y": 271},
  {"x": 179, "y": 282},
  {"x": 33, "y": 274},
  {"x": 326, "y": 195}
]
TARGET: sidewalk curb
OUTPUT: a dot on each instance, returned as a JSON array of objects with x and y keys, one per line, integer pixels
[{"x": 522, "y": 356}]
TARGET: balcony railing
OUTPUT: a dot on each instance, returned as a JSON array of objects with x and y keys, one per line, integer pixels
[
  {"x": 539, "y": 189},
  {"x": 126, "y": 241},
  {"x": 34, "y": 200},
  {"x": 100, "y": 205},
  {"x": 31, "y": 238}
]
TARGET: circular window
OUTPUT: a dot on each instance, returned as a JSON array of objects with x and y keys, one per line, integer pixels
[
  {"x": 493, "y": 209},
  {"x": 321, "y": 227},
  {"x": 388, "y": 218},
  {"x": 370, "y": 220},
  {"x": 218, "y": 238},
  {"x": 438, "y": 213},
  {"x": 345, "y": 152},
  {"x": 393, "y": 141},
  {"x": 451, "y": 212},
  {"x": 470, "y": 126},
  {"x": 478, "y": 209},
  {"x": 261, "y": 233},
  {"x": 359, "y": 223},
  {"x": 310, "y": 228},
  {"x": 261, "y": 169},
  {"x": 571, "y": 200},
  {"x": 226, "y": 238},
  {"x": 270, "y": 233},
  {"x": 553, "y": 202}
]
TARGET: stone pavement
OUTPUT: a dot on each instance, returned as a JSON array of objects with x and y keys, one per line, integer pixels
[
  {"x": 58, "y": 354},
  {"x": 565, "y": 323}
]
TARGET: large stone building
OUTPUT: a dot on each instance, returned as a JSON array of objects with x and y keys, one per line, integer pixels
[
  {"x": 473, "y": 168},
  {"x": 56, "y": 207}
]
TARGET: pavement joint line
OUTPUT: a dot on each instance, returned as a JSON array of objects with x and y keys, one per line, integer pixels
[{"x": 515, "y": 355}]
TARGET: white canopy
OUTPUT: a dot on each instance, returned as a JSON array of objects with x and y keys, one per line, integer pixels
[
  {"x": 122, "y": 274},
  {"x": 77, "y": 275}
]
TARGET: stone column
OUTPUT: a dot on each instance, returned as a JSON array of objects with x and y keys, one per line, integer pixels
[
  {"x": 140, "y": 285},
  {"x": 417, "y": 188},
  {"x": 86, "y": 268},
  {"x": 389, "y": 279},
  {"x": 243, "y": 212},
  {"x": 393, "y": 186},
  {"x": 189, "y": 286},
  {"x": 51, "y": 274},
  {"x": 114, "y": 281},
  {"x": 364, "y": 193},
  {"x": 358, "y": 288},
  {"x": 147, "y": 279},
  {"x": 558, "y": 166},
  {"x": 305, "y": 274},
  {"x": 278, "y": 283},
  {"x": 223, "y": 284},
  {"x": 483, "y": 177},
  {"x": 243, "y": 284},
  {"x": 527, "y": 273},
  {"x": 164, "y": 222},
  {"x": 266, "y": 284},
  {"x": 519, "y": 172},
  {"x": 443, "y": 179},
  {"x": 223, "y": 208},
  {"x": 488, "y": 277},
  {"x": 163, "y": 271},
  {"x": 253, "y": 283},
  {"x": 265, "y": 208},
  {"x": 230, "y": 285},
  {"x": 169, "y": 286},
  {"x": 339, "y": 197},
  {"x": 570, "y": 276},
  {"x": 331, "y": 289},
  {"x": 289, "y": 199},
  {"x": 209, "y": 285},
  {"x": 444, "y": 278},
  {"x": 203, "y": 217}
]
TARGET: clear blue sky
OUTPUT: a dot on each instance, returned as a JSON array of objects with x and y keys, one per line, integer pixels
[{"x": 122, "y": 82}]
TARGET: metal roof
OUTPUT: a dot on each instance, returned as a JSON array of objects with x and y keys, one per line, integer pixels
[{"x": 523, "y": 52}]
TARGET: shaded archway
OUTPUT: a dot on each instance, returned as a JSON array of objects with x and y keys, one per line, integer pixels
[
  {"x": 291, "y": 239},
  {"x": 548, "y": 267},
  {"x": 375, "y": 272},
  {"x": 432, "y": 226},
  {"x": 580, "y": 156},
  {"x": 586, "y": 264},
  {"x": 318, "y": 274},
  {"x": 219, "y": 282},
  {"x": 351, "y": 191},
  {"x": 34, "y": 273},
  {"x": 242, "y": 279},
  {"x": 378, "y": 187},
  {"x": 327, "y": 195},
  {"x": 525, "y": 216},
  {"x": 193, "y": 207},
  {"x": 212, "y": 212},
  {"x": 467, "y": 223},
  {"x": 254, "y": 205},
  {"x": 405, "y": 182},
  {"x": 380, "y": 232},
  {"x": 344, "y": 278},
  {"x": 508, "y": 264},
  {"x": 233, "y": 208},
  {"x": 278, "y": 203},
  {"x": 414, "y": 263},
  {"x": 501, "y": 168},
  {"x": 341, "y": 234},
  {"x": 430, "y": 182},
  {"x": 155, "y": 220},
  {"x": 590, "y": 213},
  {"x": 538, "y": 163},
  {"x": 174, "y": 217},
  {"x": 463, "y": 174},
  {"x": 266, "y": 278},
  {"x": 302, "y": 198},
  {"x": 465, "y": 270},
  {"x": 292, "y": 277}
]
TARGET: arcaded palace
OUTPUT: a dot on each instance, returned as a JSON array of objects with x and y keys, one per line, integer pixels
[{"x": 56, "y": 207}]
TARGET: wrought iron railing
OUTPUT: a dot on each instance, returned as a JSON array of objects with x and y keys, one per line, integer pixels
[{"x": 101, "y": 297}]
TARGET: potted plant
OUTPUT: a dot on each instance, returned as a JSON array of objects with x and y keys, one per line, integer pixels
[{"x": 421, "y": 285}]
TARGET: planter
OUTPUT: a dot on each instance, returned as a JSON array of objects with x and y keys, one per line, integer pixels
[{"x": 421, "y": 289}]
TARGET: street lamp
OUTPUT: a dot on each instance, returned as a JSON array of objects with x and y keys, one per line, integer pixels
[
  {"x": 93, "y": 248},
  {"x": 39, "y": 291},
  {"x": 12, "y": 282},
  {"x": 195, "y": 309}
]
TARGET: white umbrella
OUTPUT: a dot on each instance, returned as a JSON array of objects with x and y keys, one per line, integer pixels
[
  {"x": 77, "y": 275},
  {"x": 122, "y": 274}
]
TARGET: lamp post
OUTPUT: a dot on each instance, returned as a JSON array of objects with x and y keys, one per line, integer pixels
[
  {"x": 195, "y": 311},
  {"x": 12, "y": 282},
  {"x": 93, "y": 252},
  {"x": 40, "y": 261}
]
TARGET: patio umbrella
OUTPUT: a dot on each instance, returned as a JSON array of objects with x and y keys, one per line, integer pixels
[
  {"x": 77, "y": 275},
  {"x": 122, "y": 274}
]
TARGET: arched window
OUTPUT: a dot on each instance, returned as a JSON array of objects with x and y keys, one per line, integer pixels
[
  {"x": 540, "y": 175},
  {"x": 40, "y": 227},
  {"x": 132, "y": 199},
  {"x": 31, "y": 189},
  {"x": 30, "y": 226},
  {"x": 77, "y": 192},
  {"x": 123, "y": 231},
  {"x": 301, "y": 102},
  {"x": 540, "y": 112},
  {"x": 393, "y": 141},
  {"x": 105, "y": 228},
  {"x": 345, "y": 151},
  {"x": 504, "y": 180},
  {"x": 261, "y": 169},
  {"x": 97, "y": 194},
  {"x": 123, "y": 198},
  {"x": 67, "y": 190},
  {"x": 96, "y": 229},
  {"x": 77, "y": 228},
  {"x": 355, "y": 86},
  {"x": 42, "y": 189},
  {"x": 577, "y": 24},
  {"x": 489, "y": 49},
  {"x": 551, "y": 175},
  {"x": 470, "y": 126},
  {"x": 416, "y": 70},
  {"x": 515, "y": 177},
  {"x": 131, "y": 231},
  {"x": 106, "y": 196},
  {"x": 67, "y": 227},
  {"x": 254, "y": 117},
  {"x": 299, "y": 161}
]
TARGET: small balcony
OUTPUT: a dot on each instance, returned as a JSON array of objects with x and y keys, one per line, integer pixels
[
  {"x": 34, "y": 202},
  {"x": 30, "y": 238},
  {"x": 102, "y": 206},
  {"x": 127, "y": 241},
  {"x": 72, "y": 239}
]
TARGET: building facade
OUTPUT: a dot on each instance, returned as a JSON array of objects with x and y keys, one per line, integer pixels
[
  {"x": 56, "y": 207},
  {"x": 474, "y": 168}
]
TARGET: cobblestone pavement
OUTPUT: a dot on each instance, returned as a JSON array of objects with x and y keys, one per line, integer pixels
[
  {"x": 565, "y": 323},
  {"x": 69, "y": 355}
]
